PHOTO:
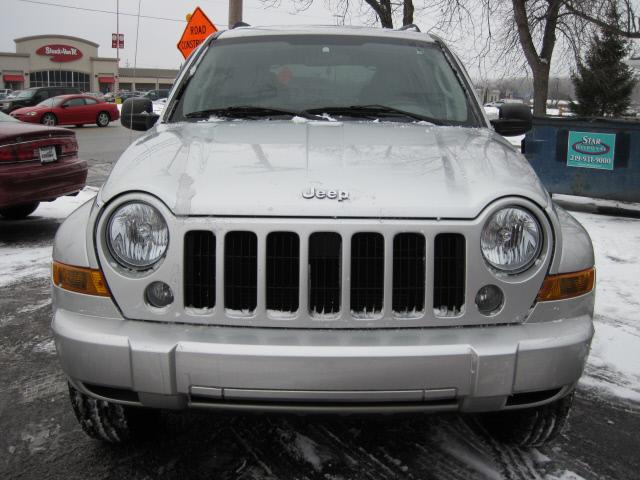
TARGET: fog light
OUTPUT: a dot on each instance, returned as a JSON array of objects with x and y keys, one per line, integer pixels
[
  {"x": 159, "y": 294},
  {"x": 489, "y": 300}
]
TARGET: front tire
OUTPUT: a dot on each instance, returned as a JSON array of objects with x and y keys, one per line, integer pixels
[
  {"x": 111, "y": 422},
  {"x": 529, "y": 427},
  {"x": 103, "y": 119},
  {"x": 49, "y": 119},
  {"x": 19, "y": 212}
]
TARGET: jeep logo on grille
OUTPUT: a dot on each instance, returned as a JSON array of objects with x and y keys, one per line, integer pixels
[{"x": 339, "y": 195}]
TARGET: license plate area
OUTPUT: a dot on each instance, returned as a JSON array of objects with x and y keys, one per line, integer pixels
[{"x": 47, "y": 154}]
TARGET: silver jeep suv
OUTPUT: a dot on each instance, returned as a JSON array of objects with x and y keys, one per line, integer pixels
[{"x": 323, "y": 220}]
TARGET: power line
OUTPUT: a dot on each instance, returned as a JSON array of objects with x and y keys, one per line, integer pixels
[
  {"x": 112, "y": 12},
  {"x": 97, "y": 10},
  {"x": 73, "y": 7}
]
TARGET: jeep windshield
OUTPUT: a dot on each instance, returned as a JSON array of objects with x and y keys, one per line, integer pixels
[{"x": 346, "y": 77}]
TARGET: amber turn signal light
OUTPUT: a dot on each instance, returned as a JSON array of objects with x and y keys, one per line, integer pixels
[
  {"x": 567, "y": 285},
  {"x": 79, "y": 279}
]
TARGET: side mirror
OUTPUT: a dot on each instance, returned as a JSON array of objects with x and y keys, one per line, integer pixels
[
  {"x": 515, "y": 119},
  {"x": 137, "y": 114}
]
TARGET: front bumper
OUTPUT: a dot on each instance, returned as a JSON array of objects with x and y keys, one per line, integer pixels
[
  {"x": 178, "y": 366},
  {"x": 28, "y": 182},
  {"x": 26, "y": 118}
]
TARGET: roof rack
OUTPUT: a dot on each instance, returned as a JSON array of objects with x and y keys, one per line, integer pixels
[
  {"x": 410, "y": 26},
  {"x": 240, "y": 24}
]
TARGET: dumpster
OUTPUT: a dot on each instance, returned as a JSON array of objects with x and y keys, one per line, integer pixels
[{"x": 591, "y": 157}]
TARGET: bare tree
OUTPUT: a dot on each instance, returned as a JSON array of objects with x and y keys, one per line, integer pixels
[
  {"x": 538, "y": 58},
  {"x": 520, "y": 34},
  {"x": 595, "y": 12},
  {"x": 384, "y": 12},
  {"x": 524, "y": 33}
]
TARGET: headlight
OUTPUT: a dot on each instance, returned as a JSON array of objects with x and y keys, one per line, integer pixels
[
  {"x": 137, "y": 235},
  {"x": 30, "y": 114},
  {"x": 511, "y": 239}
]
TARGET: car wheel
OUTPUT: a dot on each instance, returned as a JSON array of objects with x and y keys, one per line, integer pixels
[
  {"x": 112, "y": 422},
  {"x": 19, "y": 212},
  {"x": 529, "y": 427},
  {"x": 103, "y": 119},
  {"x": 49, "y": 119}
]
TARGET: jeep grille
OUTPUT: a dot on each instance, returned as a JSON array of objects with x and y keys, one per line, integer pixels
[{"x": 323, "y": 261}]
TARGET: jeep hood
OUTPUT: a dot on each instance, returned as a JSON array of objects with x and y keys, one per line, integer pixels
[{"x": 262, "y": 168}]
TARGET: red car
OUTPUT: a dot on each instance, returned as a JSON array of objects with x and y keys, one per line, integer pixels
[
  {"x": 69, "y": 110},
  {"x": 37, "y": 164}
]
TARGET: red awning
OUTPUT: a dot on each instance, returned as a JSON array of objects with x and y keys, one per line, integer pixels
[
  {"x": 106, "y": 80},
  {"x": 13, "y": 78}
]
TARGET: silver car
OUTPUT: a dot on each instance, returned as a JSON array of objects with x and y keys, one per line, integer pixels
[{"x": 323, "y": 220}]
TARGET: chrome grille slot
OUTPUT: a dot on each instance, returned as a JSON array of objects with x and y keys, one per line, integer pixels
[
  {"x": 199, "y": 269},
  {"x": 409, "y": 261},
  {"x": 449, "y": 274},
  {"x": 240, "y": 271},
  {"x": 367, "y": 274},
  {"x": 325, "y": 251},
  {"x": 283, "y": 271}
]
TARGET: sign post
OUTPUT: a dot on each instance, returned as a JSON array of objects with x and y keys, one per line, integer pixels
[
  {"x": 116, "y": 85},
  {"x": 199, "y": 27}
]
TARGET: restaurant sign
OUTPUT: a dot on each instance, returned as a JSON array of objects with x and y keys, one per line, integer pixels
[{"x": 60, "y": 53}]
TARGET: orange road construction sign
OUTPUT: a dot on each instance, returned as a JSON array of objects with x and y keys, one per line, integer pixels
[{"x": 199, "y": 27}]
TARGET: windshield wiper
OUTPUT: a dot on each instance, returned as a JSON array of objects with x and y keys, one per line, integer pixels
[
  {"x": 373, "y": 111},
  {"x": 243, "y": 111}
]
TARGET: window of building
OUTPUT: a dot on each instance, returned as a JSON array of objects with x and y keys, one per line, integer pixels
[{"x": 59, "y": 78}]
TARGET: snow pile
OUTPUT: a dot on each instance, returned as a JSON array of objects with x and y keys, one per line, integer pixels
[{"x": 63, "y": 206}]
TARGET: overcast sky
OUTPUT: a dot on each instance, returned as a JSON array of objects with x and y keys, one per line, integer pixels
[{"x": 158, "y": 37}]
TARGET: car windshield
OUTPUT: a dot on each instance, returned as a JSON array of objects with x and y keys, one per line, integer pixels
[
  {"x": 337, "y": 75},
  {"x": 26, "y": 94},
  {"x": 49, "y": 102},
  {"x": 6, "y": 118}
]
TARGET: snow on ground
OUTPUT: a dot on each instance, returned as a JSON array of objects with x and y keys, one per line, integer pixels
[
  {"x": 614, "y": 362},
  {"x": 20, "y": 262}
]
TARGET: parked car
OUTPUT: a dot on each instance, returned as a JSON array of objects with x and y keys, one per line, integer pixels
[
  {"x": 98, "y": 95},
  {"x": 69, "y": 110},
  {"x": 33, "y": 96},
  {"x": 37, "y": 164},
  {"x": 5, "y": 92},
  {"x": 323, "y": 220},
  {"x": 156, "y": 94},
  {"x": 124, "y": 94}
]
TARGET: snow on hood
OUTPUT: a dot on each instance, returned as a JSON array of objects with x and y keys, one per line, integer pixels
[{"x": 262, "y": 168}]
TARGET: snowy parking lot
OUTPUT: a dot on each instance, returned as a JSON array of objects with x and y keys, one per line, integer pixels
[{"x": 40, "y": 438}]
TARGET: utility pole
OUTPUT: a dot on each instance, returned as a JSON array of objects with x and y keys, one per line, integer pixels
[
  {"x": 235, "y": 12},
  {"x": 116, "y": 85}
]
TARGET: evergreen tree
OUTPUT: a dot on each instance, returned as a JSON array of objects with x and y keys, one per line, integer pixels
[{"x": 604, "y": 82}]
